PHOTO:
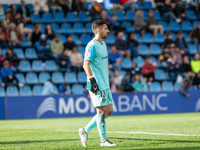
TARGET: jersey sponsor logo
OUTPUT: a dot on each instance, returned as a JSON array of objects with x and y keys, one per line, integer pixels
[
  {"x": 88, "y": 54},
  {"x": 105, "y": 57},
  {"x": 104, "y": 100}
]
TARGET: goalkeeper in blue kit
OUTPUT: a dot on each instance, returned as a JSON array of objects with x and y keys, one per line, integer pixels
[{"x": 96, "y": 68}]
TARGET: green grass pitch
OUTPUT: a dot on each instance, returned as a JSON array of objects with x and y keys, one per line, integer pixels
[{"x": 151, "y": 132}]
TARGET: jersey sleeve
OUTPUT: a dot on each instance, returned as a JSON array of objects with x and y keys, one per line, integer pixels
[{"x": 90, "y": 53}]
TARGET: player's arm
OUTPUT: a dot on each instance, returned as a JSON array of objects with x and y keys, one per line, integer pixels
[{"x": 88, "y": 71}]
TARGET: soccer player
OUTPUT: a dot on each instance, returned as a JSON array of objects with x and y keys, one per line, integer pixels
[{"x": 96, "y": 68}]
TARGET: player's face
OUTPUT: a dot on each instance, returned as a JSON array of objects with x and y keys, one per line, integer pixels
[{"x": 104, "y": 32}]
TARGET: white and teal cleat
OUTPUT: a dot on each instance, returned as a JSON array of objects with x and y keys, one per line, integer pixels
[
  {"x": 106, "y": 142},
  {"x": 83, "y": 135}
]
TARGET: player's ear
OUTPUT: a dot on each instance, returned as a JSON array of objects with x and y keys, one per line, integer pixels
[{"x": 98, "y": 30}]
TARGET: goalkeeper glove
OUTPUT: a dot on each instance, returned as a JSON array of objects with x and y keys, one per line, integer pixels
[{"x": 94, "y": 86}]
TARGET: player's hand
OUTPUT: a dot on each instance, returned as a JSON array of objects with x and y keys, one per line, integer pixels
[{"x": 94, "y": 86}]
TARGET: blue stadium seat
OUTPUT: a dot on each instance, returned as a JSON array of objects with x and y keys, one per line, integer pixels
[
  {"x": 187, "y": 26},
  {"x": 19, "y": 52},
  {"x": 192, "y": 49},
  {"x": 191, "y": 15},
  {"x": 165, "y": 26},
  {"x": 60, "y": 17},
  {"x": 25, "y": 42},
  {"x": 16, "y": 6},
  {"x": 76, "y": 39},
  {"x": 63, "y": 39},
  {"x": 153, "y": 59},
  {"x": 145, "y": 14},
  {"x": 30, "y": 26},
  {"x": 70, "y": 78},
  {"x": 5, "y": 7},
  {"x": 50, "y": 65},
  {"x": 155, "y": 50},
  {"x": 147, "y": 5},
  {"x": 109, "y": 14},
  {"x": 174, "y": 26},
  {"x": 25, "y": 91},
  {"x": 37, "y": 66},
  {"x": 143, "y": 50},
  {"x": 43, "y": 27},
  {"x": 157, "y": 15},
  {"x": 173, "y": 36},
  {"x": 57, "y": 78},
  {"x": 2, "y": 92},
  {"x": 196, "y": 24},
  {"x": 55, "y": 28},
  {"x": 193, "y": 87},
  {"x": 30, "y": 7},
  {"x": 24, "y": 66},
  {"x": 66, "y": 28},
  {"x": 187, "y": 38},
  {"x": 79, "y": 28},
  {"x": 137, "y": 35},
  {"x": 160, "y": 75},
  {"x": 155, "y": 87},
  {"x": 147, "y": 38},
  {"x": 128, "y": 26},
  {"x": 110, "y": 40},
  {"x": 130, "y": 16},
  {"x": 167, "y": 86},
  {"x": 30, "y": 53},
  {"x": 39, "y": 49},
  {"x": 177, "y": 85},
  {"x": 12, "y": 91},
  {"x": 71, "y": 17},
  {"x": 122, "y": 73},
  {"x": 139, "y": 4},
  {"x": 159, "y": 38},
  {"x": 85, "y": 39},
  {"x": 77, "y": 89},
  {"x": 120, "y": 16},
  {"x": 68, "y": 89},
  {"x": 88, "y": 28},
  {"x": 84, "y": 17},
  {"x": 139, "y": 61},
  {"x": 36, "y": 18},
  {"x": 37, "y": 90},
  {"x": 4, "y": 51},
  {"x": 82, "y": 78},
  {"x": 20, "y": 77},
  {"x": 126, "y": 63},
  {"x": 81, "y": 50},
  {"x": 44, "y": 76},
  {"x": 31, "y": 78},
  {"x": 47, "y": 18}
]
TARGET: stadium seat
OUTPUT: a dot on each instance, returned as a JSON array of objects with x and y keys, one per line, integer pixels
[
  {"x": 147, "y": 38},
  {"x": 12, "y": 91},
  {"x": 39, "y": 49},
  {"x": 50, "y": 65},
  {"x": 47, "y": 18},
  {"x": 37, "y": 90},
  {"x": 68, "y": 89},
  {"x": 159, "y": 38},
  {"x": 31, "y": 78},
  {"x": 44, "y": 76},
  {"x": 155, "y": 50},
  {"x": 55, "y": 28},
  {"x": 77, "y": 89},
  {"x": 155, "y": 87},
  {"x": 192, "y": 49},
  {"x": 160, "y": 75},
  {"x": 36, "y": 18},
  {"x": 88, "y": 28},
  {"x": 174, "y": 26},
  {"x": 82, "y": 78},
  {"x": 2, "y": 92},
  {"x": 126, "y": 63},
  {"x": 196, "y": 24},
  {"x": 165, "y": 26},
  {"x": 187, "y": 38},
  {"x": 81, "y": 50},
  {"x": 122, "y": 73},
  {"x": 70, "y": 78},
  {"x": 139, "y": 4},
  {"x": 30, "y": 26},
  {"x": 63, "y": 39},
  {"x": 71, "y": 17},
  {"x": 88, "y": 5},
  {"x": 25, "y": 42},
  {"x": 5, "y": 7},
  {"x": 120, "y": 16},
  {"x": 43, "y": 27},
  {"x": 24, "y": 66},
  {"x": 57, "y": 77},
  {"x": 79, "y": 28},
  {"x": 167, "y": 86},
  {"x": 25, "y": 91},
  {"x": 145, "y": 14},
  {"x": 139, "y": 61},
  {"x": 157, "y": 15},
  {"x": 130, "y": 16},
  {"x": 60, "y": 18},
  {"x": 187, "y": 26},
  {"x": 109, "y": 14},
  {"x": 30, "y": 7},
  {"x": 66, "y": 28},
  {"x": 147, "y": 5},
  {"x": 128, "y": 26},
  {"x": 85, "y": 39},
  {"x": 20, "y": 77},
  {"x": 177, "y": 85},
  {"x": 84, "y": 17},
  {"x": 143, "y": 50},
  {"x": 110, "y": 40},
  {"x": 19, "y": 52},
  {"x": 173, "y": 36},
  {"x": 153, "y": 59},
  {"x": 4, "y": 51},
  {"x": 76, "y": 39},
  {"x": 30, "y": 53},
  {"x": 191, "y": 15},
  {"x": 37, "y": 66},
  {"x": 193, "y": 87}
]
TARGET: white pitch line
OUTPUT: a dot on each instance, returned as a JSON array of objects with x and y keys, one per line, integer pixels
[{"x": 119, "y": 132}]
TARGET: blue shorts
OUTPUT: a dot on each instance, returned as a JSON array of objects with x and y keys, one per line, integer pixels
[{"x": 102, "y": 98}]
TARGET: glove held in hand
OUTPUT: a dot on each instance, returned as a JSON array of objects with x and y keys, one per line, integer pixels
[{"x": 94, "y": 86}]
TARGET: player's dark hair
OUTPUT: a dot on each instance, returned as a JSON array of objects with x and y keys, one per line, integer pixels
[
  {"x": 97, "y": 24},
  {"x": 147, "y": 57}
]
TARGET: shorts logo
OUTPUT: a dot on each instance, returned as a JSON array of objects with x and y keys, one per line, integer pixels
[
  {"x": 103, "y": 100},
  {"x": 88, "y": 54}
]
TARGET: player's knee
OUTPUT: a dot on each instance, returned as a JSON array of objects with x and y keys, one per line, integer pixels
[{"x": 109, "y": 113}]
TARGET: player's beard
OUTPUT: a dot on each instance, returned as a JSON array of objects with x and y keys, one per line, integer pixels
[{"x": 103, "y": 36}]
